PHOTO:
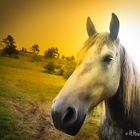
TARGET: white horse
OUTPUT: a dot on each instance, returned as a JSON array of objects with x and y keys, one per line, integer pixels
[{"x": 104, "y": 72}]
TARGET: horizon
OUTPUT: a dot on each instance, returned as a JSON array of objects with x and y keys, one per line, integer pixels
[{"x": 63, "y": 24}]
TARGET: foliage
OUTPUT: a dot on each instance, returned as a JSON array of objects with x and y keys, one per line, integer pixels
[
  {"x": 61, "y": 67},
  {"x": 10, "y": 47},
  {"x": 58, "y": 72},
  {"x": 71, "y": 58},
  {"x": 35, "y": 59},
  {"x": 68, "y": 70},
  {"x": 63, "y": 57},
  {"x": 24, "y": 49},
  {"x": 52, "y": 53},
  {"x": 49, "y": 67},
  {"x": 35, "y": 48}
]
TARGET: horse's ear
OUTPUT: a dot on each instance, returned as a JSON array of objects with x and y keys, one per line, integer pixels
[
  {"x": 90, "y": 27},
  {"x": 114, "y": 27}
]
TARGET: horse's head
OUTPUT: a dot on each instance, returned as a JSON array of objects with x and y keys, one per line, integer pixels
[{"x": 95, "y": 78}]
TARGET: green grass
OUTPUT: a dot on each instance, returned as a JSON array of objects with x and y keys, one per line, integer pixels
[
  {"x": 7, "y": 124},
  {"x": 22, "y": 82},
  {"x": 25, "y": 84},
  {"x": 20, "y": 64}
]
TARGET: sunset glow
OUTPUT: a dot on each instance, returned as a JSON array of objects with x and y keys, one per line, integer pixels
[{"x": 62, "y": 23}]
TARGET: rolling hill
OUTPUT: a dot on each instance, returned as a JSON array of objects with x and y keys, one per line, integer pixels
[{"x": 26, "y": 93}]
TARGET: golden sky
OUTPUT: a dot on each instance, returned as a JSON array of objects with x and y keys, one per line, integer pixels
[{"x": 62, "y": 23}]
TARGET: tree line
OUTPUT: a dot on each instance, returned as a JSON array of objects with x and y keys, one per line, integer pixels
[
  {"x": 8, "y": 47},
  {"x": 54, "y": 64}
]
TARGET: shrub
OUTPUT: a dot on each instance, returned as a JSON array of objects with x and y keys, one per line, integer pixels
[
  {"x": 49, "y": 68},
  {"x": 60, "y": 67},
  {"x": 67, "y": 71},
  {"x": 58, "y": 71},
  {"x": 35, "y": 59}
]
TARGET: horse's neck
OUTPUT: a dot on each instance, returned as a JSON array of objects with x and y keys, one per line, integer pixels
[
  {"x": 115, "y": 124},
  {"x": 115, "y": 112},
  {"x": 124, "y": 106},
  {"x": 114, "y": 108},
  {"x": 117, "y": 121}
]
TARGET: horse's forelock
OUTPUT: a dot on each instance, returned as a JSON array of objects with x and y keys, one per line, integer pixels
[{"x": 98, "y": 39}]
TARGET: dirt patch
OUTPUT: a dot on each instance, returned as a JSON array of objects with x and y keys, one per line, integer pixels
[
  {"x": 34, "y": 119},
  {"x": 38, "y": 122}
]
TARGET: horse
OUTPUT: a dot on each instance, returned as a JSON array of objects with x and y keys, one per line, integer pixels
[{"x": 104, "y": 72}]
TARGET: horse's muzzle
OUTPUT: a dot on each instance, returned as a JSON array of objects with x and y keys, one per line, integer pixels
[{"x": 68, "y": 120}]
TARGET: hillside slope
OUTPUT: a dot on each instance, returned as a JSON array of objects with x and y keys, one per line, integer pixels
[{"x": 26, "y": 94}]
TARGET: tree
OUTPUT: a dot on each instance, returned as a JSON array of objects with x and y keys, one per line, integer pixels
[
  {"x": 23, "y": 49},
  {"x": 9, "y": 47},
  {"x": 63, "y": 57},
  {"x": 35, "y": 48},
  {"x": 71, "y": 58},
  {"x": 52, "y": 53}
]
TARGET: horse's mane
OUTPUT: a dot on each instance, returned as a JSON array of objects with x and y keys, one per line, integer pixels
[{"x": 129, "y": 83}]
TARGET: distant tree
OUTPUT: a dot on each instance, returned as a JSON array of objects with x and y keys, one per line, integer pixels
[
  {"x": 70, "y": 58},
  {"x": 24, "y": 49},
  {"x": 9, "y": 46},
  {"x": 35, "y": 48},
  {"x": 52, "y": 53},
  {"x": 63, "y": 57}
]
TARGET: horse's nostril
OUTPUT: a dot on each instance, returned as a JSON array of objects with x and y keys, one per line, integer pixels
[
  {"x": 69, "y": 116},
  {"x": 56, "y": 118}
]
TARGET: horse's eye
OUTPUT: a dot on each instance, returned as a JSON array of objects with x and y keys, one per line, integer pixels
[{"x": 107, "y": 59}]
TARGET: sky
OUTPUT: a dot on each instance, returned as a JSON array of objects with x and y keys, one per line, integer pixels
[{"x": 62, "y": 23}]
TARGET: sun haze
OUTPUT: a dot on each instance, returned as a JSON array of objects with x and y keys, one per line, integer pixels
[{"x": 63, "y": 23}]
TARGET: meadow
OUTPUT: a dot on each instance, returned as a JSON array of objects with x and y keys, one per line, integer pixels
[{"x": 26, "y": 94}]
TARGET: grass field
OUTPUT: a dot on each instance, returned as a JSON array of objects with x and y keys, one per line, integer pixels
[{"x": 26, "y": 94}]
